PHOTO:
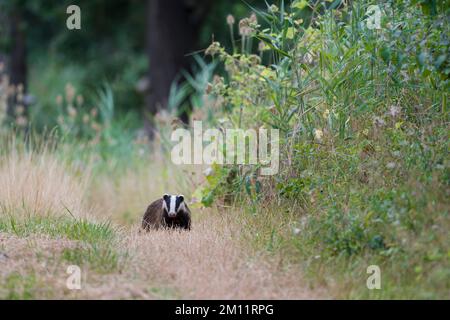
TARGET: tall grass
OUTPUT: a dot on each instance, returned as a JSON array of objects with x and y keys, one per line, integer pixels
[
  {"x": 36, "y": 183},
  {"x": 362, "y": 112},
  {"x": 97, "y": 229}
]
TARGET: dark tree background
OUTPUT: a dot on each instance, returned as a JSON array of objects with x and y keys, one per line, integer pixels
[
  {"x": 121, "y": 42},
  {"x": 13, "y": 56},
  {"x": 172, "y": 33}
]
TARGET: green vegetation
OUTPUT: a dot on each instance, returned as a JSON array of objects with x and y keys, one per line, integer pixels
[
  {"x": 103, "y": 259},
  {"x": 19, "y": 287},
  {"x": 164, "y": 293},
  {"x": 73, "y": 229},
  {"x": 96, "y": 242},
  {"x": 363, "y": 114},
  {"x": 364, "y": 126}
]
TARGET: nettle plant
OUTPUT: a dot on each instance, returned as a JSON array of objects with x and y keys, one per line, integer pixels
[
  {"x": 321, "y": 75},
  {"x": 282, "y": 86},
  {"x": 243, "y": 97},
  {"x": 268, "y": 88}
]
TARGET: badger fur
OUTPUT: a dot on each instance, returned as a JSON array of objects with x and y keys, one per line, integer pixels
[{"x": 169, "y": 211}]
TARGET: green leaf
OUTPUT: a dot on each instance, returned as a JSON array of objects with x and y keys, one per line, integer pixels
[
  {"x": 290, "y": 33},
  {"x": 268, "y": 42},
  {"x": 300, "y": 4},
  {"x": 385, "y": 54},
  {"x": 440, "y": 60},
  {"x": 422, "y": 58}
]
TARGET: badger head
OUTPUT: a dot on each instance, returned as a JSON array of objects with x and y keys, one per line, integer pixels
[{"x": 173, "y": 204}]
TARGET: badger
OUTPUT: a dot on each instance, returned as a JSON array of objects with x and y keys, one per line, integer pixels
[{"x": 170, "y": 211}]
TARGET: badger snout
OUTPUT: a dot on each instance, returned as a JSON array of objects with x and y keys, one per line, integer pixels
[{"x": 172, "y": 214}]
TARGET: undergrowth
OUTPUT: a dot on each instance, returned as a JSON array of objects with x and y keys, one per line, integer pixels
[{"x": 363, "y": 119}]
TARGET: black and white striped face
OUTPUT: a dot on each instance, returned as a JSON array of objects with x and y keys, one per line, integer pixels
[{"x": 172, "y": 204}]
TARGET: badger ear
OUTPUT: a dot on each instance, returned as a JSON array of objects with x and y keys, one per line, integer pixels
[
  {"x": 181, "y": 197},
  {"x": 166, "y": 196}
]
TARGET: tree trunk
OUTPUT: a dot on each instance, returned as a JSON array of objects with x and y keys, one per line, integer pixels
[
  {"x": 172, "y": 33},
  {"x": 17, "y": 65}
]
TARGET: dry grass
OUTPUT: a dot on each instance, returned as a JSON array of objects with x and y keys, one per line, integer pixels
[
  {"x": 32, "y": 268},
  {"x": 38, "y": 184},
  {"x": 209, "y": 262},
  {"x": 28, "y": 268},
  {"x": 124, "y": 198},
  {"x": 206, "y": 263}
]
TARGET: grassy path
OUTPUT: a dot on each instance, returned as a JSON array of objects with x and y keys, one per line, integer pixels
[
  {"x": 40, "y": 237},
  {"x": 208, "y": 262}
]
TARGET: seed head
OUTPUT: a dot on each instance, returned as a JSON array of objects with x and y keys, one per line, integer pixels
[
  {"x": 94, "y": 112},
  {"x": 273, "y": 8},
  {"x": 20, "y": 110},
  {"x": 21, "y": 121},
  {"x": 80, "y": 100},
  {"x": 71, "y": 111},
  {"x": 70, "y": 92},
  {"x": 318, "y": 134},
  {"x": 261, "y": 46},
  {"x": 245, "y": 29},
  {"x": 59, "y": 100},
  {"x": 213, "y": 49},
  {"x": 230, "y": 20}
]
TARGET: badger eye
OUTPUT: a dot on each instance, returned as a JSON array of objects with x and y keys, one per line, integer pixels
[
  {"x": 181, "y": 197},
  {"x": 166, "y": 196}
]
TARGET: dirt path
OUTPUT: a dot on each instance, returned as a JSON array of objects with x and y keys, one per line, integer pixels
[
  {"x": 206, "y": 263},
  {"x": 209, "y": 262}
]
